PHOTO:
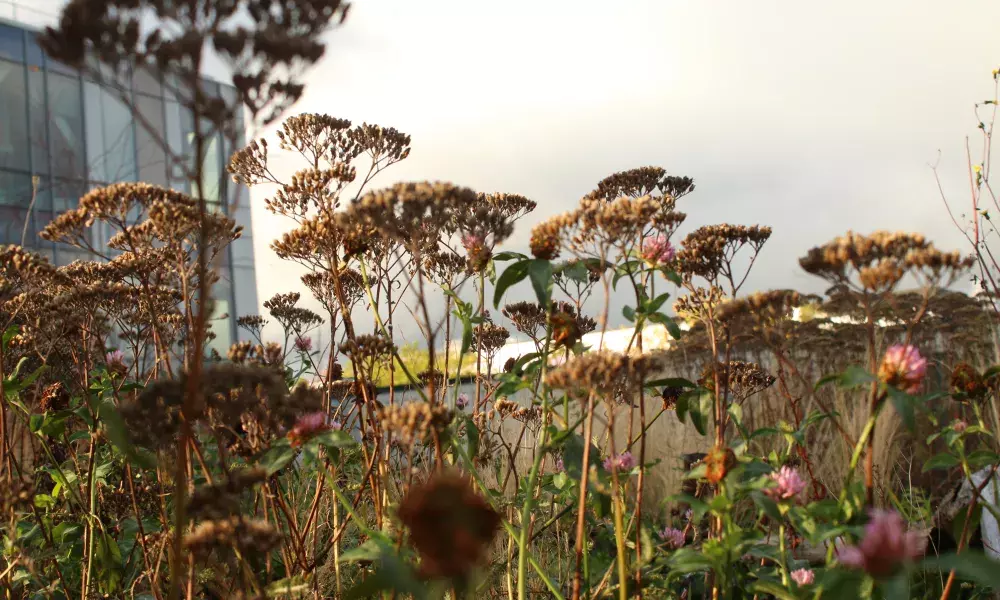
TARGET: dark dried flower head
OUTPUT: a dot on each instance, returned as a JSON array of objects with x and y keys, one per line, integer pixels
[
  {"x": 967, "y": 383},
  {"x": 450, "y": 525},
  {"x": 606, "y": 373},
  {"x": 489, "y": 338},
  {"x": 221, "y": 500},
  {"x": 248, "y": 536},
  {"x": 744, "y": 379},
  {"x": 415, "y": 421},
  {"x": 708, "y": 251},
  {"x": 546, "y": 238},
  {"x": 412, "y": 213},
  {"x": 54, "y": 398}
]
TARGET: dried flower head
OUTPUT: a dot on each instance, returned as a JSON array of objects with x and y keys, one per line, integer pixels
[
  {"x": 450, "y": 525},
  {"x": 605, "y": 373},
  {"x": 248, "y": 536},
  {"x": 967, "y": 383},
  {"x": 415, "y": 421},
  {"x": 709, "y": 251}
]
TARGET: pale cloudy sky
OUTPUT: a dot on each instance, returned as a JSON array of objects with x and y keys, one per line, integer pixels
[{"x": 811, "y": 117}]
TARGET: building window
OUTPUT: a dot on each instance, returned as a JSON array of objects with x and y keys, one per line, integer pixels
[
  {"x": 15, "y": 206},
  {"x": 11, "y": 43},
  {"x": 38, "y": 122},
  {"x": 66, "y": 127},
  {"x": 34, "y": 57},
  {"x": 151, "y": 134},
  {"x": 119, "y": 139},
  {"x": 13, "y": 117}
]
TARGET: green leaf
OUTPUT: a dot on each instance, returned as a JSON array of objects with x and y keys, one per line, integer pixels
[
  {"x": 853, "y": 376},
  {"x": 944, "y": 460},
  {"x": 629, "y": 313},
  {"x": 35, "y": 423},
  {"x": 335, "y": 438},
  {"x": 772, "y": 589},
  {"x": 117, "y": 431},
  {"x": 370, "y": 551},
  {"x": 471, "y": 435},
  {"x": 971, "y": 565},
  {"x": 540, "y": 272},
  {"x": 672, "y": 382},
  {"x": 672, "y": 328},
  {"x": 8, "y": 335},
  {"x": 392, "y": 574},
  {"x": 769, "y": 506},
  {"x": 276, "y": 458},
  {"x": 897, "y": 588},
  {"x": 511, "y": 275},
  {"x": 505, "y": 256},
  {"x": 904, "y": 405},
  {"x": 297, "y": 584}
]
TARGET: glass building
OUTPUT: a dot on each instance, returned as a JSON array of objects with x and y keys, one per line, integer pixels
[{"x": 62, "y": 135}]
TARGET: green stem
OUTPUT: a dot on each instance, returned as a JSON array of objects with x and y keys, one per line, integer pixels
[{"x": 783, "y": 555}]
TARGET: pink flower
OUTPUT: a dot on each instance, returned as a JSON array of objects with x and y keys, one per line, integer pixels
[
  {"x": 885, "y": 546},
  {"x": 303, "y": 344},
  {"x": 903, "y": 367},
  {"x": 788, "y": 484},
  {"x": 623, "y": 462},
  {"x": 803, "y": 576},
  {"x": 308, "y": 426},
  {"x": 672, "y": 537},
  {"x": 462, "y": 401},
  {"x": 559, "y": 466},
  {"x": 959, "y": 425},
  {"x": 657, "y": 250}
]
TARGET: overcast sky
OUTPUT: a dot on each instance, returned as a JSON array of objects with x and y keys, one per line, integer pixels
[{"x": 813, "y": 118}]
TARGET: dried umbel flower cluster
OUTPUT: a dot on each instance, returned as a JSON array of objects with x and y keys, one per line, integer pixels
[
  {"x": 967, "y": 383},
  {"x": 365, "y": 348},
  {"x": 490, "y": 338},
  {"x": 877, "y": 262},
  {"x": 546, "y": 238},
  {"x": 700, "y": 304},
  {"x": 450, "y": 525},
  {"x": 708, "y": 251},
  {"x": 415, "y": 421},
  {"x": 221, "y": 500},
  {"x": 249, "y": 536},
  {"x": 323, "y": 286},
  {"x": 505, "y": 407},
  {"x": 413, "y": 213},
  {"x": 744, "y": 378},
  {"x": 605, "y": 373},
  {"x": 284, "y": 310},
  {"x": 643, "y": 181},
  {"x": 247, "y": 353},
  {"x": 230, "y": 394}
]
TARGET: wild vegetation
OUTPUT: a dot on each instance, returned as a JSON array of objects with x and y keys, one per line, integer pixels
[{"x": 778, "y": 448}]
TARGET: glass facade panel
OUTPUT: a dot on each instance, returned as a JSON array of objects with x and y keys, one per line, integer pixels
[
  {"x": 146, "y": 83},
  {"x": 150, "y": 136},
  {"x": 94, "y": 128},
  {"x": 61, "y": 136},
  {"x": 11, "y": 43},
  {"x": 245, "y": 293},
  {"x": 242, "y": 249},
  {"x": 38, "y": 124},
  {"x": 66, "y": 126},
  {"x": 15, "y": 202},
  {"x": 222, "y": 319},
  {"x": 34, "y": 57},
  {"x": 13, "y": 117},
  {"x": 119, "y": 139}
]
